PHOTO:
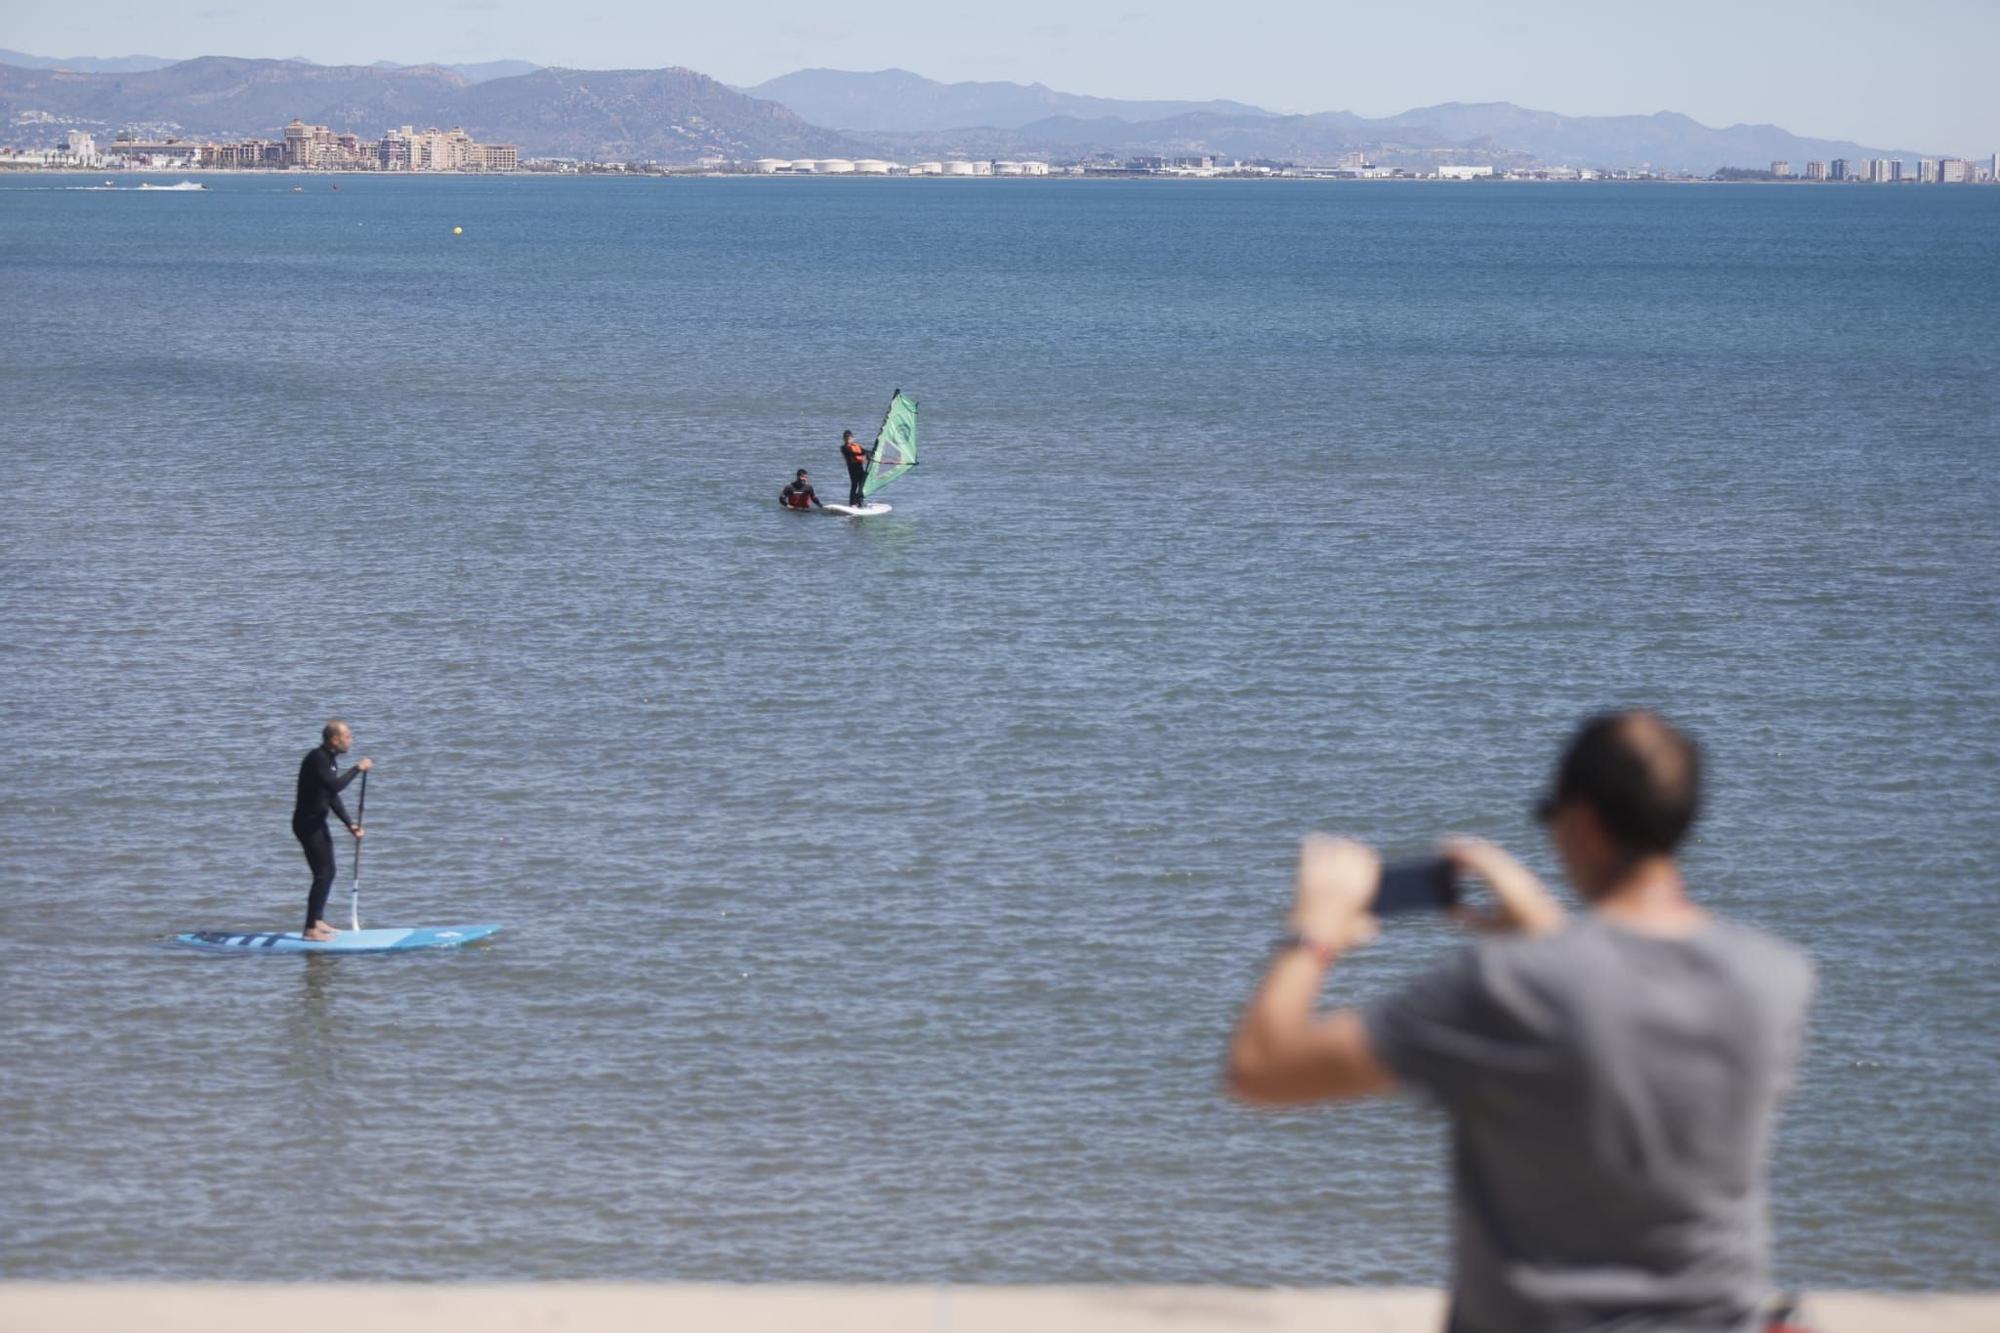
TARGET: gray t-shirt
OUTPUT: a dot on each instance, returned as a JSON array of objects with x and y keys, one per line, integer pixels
[{"x": 1612, "y": 1096}]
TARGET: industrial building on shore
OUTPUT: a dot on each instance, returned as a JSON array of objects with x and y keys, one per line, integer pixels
[{"x": 873, "y": 166}]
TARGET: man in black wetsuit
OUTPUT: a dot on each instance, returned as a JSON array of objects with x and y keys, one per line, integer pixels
[
  {"x": 320, "y": 781},
  {"x": 800, "y": 494}
]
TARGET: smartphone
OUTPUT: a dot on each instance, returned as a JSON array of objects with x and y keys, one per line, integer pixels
[{"x": 1415, "y": 886}]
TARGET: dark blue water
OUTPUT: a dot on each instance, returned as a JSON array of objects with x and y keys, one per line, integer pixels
[{"x": 879, "y": 896}]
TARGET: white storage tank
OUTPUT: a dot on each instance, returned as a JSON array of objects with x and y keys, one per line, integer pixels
[
  {"x": 927, "y": 169},
  {"x": 958, "y": 169},
  {"x": 805, "y": 166},
  {"x": 1008, "y": 169},
  {"x": 1034, "y": 168},
  {"x": 835, "y": 166},
  {"x": 766, "y": 166},
  {"x": 873, "y": 166}
]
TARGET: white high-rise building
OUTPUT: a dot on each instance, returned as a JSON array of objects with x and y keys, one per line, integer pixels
[
  {"x": 1781, "y": 170},
  {"x": 79, "y": 147},
  {"x": 1927, "y": 170},
  {"x": 1952, "y": 171}
]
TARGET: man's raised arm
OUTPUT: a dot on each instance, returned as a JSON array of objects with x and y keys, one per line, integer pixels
[{"x": 1284, "y": 1052}]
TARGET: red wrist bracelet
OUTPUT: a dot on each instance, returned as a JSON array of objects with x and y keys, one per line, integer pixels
[{"x": 1325, "y": 953}]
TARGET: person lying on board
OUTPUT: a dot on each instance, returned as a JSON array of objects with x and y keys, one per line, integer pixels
[{"x": 799, "y": 495}]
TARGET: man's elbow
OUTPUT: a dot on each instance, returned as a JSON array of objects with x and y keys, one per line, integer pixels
[
  {"x": 1263, "y": 1079},
  {"x": 1247, "y": 1088},
  {"x": 1258, "y": 1082}
]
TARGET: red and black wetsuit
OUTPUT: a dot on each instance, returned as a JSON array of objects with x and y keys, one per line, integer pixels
[
  {"x": 320, "y": 781},
  {"x": 856, "y": 458},
  {"x": 798, "y": 495}
]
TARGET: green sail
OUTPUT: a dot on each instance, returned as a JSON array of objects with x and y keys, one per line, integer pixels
[{"x": 895, "y": 450}]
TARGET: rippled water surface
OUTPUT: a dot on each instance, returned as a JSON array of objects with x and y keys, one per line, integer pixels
[{"x": 879, "y": 896}]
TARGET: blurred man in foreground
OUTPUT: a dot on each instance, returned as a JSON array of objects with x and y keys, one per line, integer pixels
[{"x": 1612, "y": 1081}]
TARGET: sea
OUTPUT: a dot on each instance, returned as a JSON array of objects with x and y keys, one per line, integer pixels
[{"x": 879, "y": 895}]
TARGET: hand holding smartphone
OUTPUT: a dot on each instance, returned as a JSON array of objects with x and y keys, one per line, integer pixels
[{"x": 1428, "y": 885}]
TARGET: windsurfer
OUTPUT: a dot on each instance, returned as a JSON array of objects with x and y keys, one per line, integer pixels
[
  {"x": 799, "y": 494},
  {"x": 856, "y": 459}
]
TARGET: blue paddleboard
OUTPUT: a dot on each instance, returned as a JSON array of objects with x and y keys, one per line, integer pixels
[{"x": 347, "y": 941}]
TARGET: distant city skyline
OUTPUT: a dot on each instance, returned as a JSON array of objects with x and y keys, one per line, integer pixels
[{"x": 1833, "y": 69}]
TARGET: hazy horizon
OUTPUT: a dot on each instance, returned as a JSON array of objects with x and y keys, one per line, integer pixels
[{"x": 1827, "y": 70}]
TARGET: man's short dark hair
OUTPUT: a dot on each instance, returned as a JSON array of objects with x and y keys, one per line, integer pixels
[
  {"x": 334, "y": 726},
  {"x": 802, "y": 472},
  {"x": 1639, "y": 773}
]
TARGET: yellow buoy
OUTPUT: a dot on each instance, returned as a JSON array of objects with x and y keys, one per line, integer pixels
[{"x": 458, "y": 231}]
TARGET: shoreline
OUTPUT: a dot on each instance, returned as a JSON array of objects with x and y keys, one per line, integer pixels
[
  {"x": 197, "y": 1307},
  {"x": 9, "y": 171}
]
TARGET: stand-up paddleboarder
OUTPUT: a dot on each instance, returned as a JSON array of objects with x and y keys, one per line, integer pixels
[{"x": 320, "y": 781}]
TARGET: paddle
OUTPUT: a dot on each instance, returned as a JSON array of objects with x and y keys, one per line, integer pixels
[{"x": 354, "y": 894}]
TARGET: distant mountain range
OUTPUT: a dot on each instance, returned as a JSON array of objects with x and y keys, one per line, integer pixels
[
  {"x": 478, "y": 72},
  {"x": 896, "y": 101},
  {"x": 84, "y": 64},
  {"x": 678, "y": 115},
  {"x": 913, "y": 114}
]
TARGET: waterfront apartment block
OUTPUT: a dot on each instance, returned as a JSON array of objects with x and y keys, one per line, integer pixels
[
  {"x": 1781, "y": 170},
  {"x": 1815, "y": 171},
  {"x": 320, "y": 148},
  {"x": 410, "y": 149},
  {"x": 317, "y": 148},
  {"x": 132, "y": 150}
]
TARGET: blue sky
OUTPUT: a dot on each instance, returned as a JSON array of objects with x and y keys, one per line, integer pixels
[{"x": 1920, "y": 74}]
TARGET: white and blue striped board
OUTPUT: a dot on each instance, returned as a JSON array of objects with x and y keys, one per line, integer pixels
[{"x": 347, "y": 941}]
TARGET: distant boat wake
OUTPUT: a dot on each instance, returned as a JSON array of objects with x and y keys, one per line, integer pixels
[{"x": 142, "y": 185}]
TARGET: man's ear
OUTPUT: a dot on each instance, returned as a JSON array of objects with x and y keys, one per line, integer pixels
[{"x": 1591, "y": 844}]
